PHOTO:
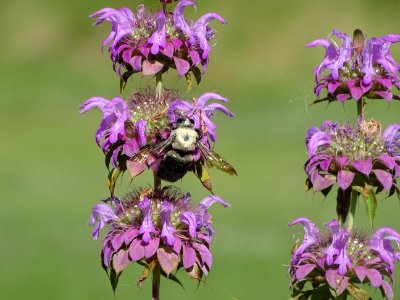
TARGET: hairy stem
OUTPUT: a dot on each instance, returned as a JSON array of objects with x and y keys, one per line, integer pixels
[
  {"x": 159, "y": 84},
  {"x": 156, "y": 282},
  {"x": 352, "y": 211}
]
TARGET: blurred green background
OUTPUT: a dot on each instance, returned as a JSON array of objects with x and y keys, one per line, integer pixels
[{"x": 52, "y": 172}]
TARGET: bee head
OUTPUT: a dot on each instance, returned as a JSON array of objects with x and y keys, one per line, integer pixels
[{"x": 185, "y": 122}]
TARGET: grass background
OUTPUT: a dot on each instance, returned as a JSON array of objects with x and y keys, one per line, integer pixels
[{"x": 52, "y": 172}]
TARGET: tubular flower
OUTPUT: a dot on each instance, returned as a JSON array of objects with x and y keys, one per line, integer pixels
[
  {"x": 357, "y": 155},
  {"x": 341, "y": 262},
  {"x": 148, "y": 42},
  {"x": 357, "y": 68},
  {"x": 156, "y": 227}
]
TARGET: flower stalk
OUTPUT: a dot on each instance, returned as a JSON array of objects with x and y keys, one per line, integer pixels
[
  {"x": 155, "y": 290},
  {"x": 159, "y": 84}
]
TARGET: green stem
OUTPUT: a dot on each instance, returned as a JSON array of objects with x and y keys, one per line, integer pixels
[
  {"x": 156, "y": 282},
  {"x": 159, "y": 84},
  {"x": 352, "y": 210}
]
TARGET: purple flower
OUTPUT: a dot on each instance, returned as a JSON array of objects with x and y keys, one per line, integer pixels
[
  {"x": 356, "y": 68},
  {"x": 382, "y": 241},
  {"x": 158, "y": 38},
  {"x": 311, "y": 235},
  {"x": 338, "y": 248},
  {"x": 100, "y": 216},
  {"x": 340, "y": 153},
  {"x": 115, "y": 114},
  {"x": 338, "y": 259},
  {"x": 148, "y": 225},
  {"x": 199, "y": 112},
  {"x": 391, "y": 138},
  {"x": 122, "y": 23},
  {"x": 152, "y": 42}
]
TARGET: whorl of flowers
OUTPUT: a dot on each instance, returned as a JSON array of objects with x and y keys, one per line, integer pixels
[
  {"x": 340, "y": 262},
  {"x": 357, "y": 155},
  {"x": 145, "y": 118},
  {"x": 151, "y": 227},
  {"x": 147, "y": 42},
  {"x": 357, "y": 68}
]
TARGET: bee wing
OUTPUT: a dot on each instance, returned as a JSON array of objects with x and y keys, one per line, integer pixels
[
  {"x": 155, "y": 150},
  {"x": 213, "y": 160},
  {"x": 159, "y": 148},
  {"x": 141, "y": 156}
]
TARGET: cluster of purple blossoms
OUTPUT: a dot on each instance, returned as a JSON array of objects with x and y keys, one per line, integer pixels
[
  {"x": 129, "y": 126},
  {"x": 357, "y": 155},
  {"x": 356, "y": 68},
  {"x": 148, "y": 227},
  {"x": 150, "y": 43},
  {"x": 338, "y": 262}
]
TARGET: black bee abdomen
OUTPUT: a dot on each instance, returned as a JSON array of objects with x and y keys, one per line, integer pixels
[{"x": 174, "y": 166}]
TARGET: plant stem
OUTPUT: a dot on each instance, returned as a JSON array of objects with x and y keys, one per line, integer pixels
[
  {"x": 360, "y": 108},
  {"x": 156, "y": 282},
  {"x": 157, "y": 183},
  {"x": 352, "y": 211},
  {"x": 354, "y": 194},
  {"x": 159, "y": 84}
]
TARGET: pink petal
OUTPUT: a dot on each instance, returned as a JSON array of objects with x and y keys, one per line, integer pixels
[
  {"x": 387, "y": 289},
  {"x": 374, "y": 277},
  {"x": 181, "y": 65},
  {"x": 363, "y": 166},
  {"x": 151, "y": 248},
  {"x": 168, "y": 260},
  {"x": 136, "y": 250},
  {"x": 304, "y": 270},
  {"x": 384, "y": 178},
  {"x": 188, "y": 256},
  {"x": 135, "y": 168},
  {"x": 344, "y": 179},
  {"x": 361, "y": 272},
  {"x": 120, "y": 261},
  {"x": 151, "y": 68}
]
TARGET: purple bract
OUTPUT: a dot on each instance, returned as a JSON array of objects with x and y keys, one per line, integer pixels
[
  {"x": 148, "y": 42},
  {"x": 340, "y": 261},
  {"x": 357, "y": 68}
]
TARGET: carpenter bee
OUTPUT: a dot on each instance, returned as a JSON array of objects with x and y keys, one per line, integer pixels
[{"x": 176, "y": 154}]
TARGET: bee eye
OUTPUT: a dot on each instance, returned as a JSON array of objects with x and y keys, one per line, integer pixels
[
  {"x": 180, "y": 120},
  {"x": 191, "y": 121}
]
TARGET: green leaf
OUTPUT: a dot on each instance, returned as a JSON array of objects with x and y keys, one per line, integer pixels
[
  {"x": 197, "y": 74},
  {"x": 321, "y": 293},
  {"x": 114, "y": 280},
  {"x": 173, "y": 278},
  {"x": 202, "y": 173},
  {"x": 371, "y": 205},
  {"x": 189, "y": 82},
  {"x": 112, "y": 179},
  {"x": 123, "y": 81},
  {"x": 357, "y": 293}
]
